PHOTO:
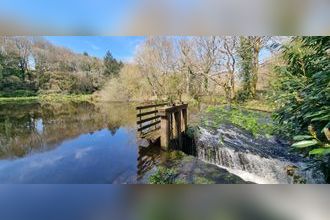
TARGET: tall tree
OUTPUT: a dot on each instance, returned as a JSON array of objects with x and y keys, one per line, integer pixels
[
  {"x": 157, "y": 58},
  {"x": 249, "y": 52},
  {"x": 24, "y": 47},
  {"x": 229, "y": 51},
  {"x": 111, "y": 65}
]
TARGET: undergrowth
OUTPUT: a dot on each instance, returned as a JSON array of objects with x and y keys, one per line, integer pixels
[
  {"x": 255, "y": 122},
  {"x": 163, "y": 176}
]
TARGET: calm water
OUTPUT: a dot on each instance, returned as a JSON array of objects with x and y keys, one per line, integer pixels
[{"x": 71, "y": 143}]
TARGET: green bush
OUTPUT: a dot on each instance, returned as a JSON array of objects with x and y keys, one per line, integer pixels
[
  {"x": 242, "y": 96},
  {"x": 18, "y": 93},
  {"x": 302, "y": 92},
  {"x": 163, "y": 176}
]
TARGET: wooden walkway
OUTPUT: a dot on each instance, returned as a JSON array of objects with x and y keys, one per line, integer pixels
[{"x": 162, "y": 122}]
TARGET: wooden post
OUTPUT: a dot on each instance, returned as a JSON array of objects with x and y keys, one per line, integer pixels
[
  {"x": 174, "y": 125},
  {"x": 184, "y": 116},
  {"x": 173, "y": 122},
  {"x": 155, "y": 119},
  {"x": 140, "y": 125},
  {"x": 177, "y": 124},
  {"x": 165, "y": 129}
]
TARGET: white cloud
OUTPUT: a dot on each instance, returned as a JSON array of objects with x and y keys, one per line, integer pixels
[
  {"x": 82, "y": 152},
  {"x": 94, "y": 47}
]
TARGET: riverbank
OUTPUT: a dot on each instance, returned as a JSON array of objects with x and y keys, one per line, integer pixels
[{"x": 46, "y": 98}]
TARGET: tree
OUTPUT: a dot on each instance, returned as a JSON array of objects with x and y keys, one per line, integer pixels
[
  {"x": 200, "y": 60},
  {"x": 245, "y": 62},
  {"x": 57, "y": 69},
  {"x": 229, "y": 50},
  {"x": 24, "y": 48},
  {"x": 157, "y": 59},
  {"x": 112, "y": 66},
  {"x": 249, "y": 52}
]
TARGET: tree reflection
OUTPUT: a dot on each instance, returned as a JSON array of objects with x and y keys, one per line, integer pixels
[{"x": 36, "y": 127}]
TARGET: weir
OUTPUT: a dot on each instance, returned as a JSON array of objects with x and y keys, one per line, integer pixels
[{"x": 164, "y": 122}]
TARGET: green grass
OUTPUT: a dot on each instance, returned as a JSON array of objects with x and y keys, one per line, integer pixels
[
  {"x": 258, "y": 105},
  {"x": 46, "y": 98},
  {"x": 255, "y": 122},
  {"x": 18, "y": 93}
]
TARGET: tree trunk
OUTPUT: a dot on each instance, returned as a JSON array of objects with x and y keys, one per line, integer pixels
[
  {"x": 232, "y": 85},
  {"x": 188, "y": 81},
  {"x": 206, "y": 84},
  {"x": 255, "y": 68}
]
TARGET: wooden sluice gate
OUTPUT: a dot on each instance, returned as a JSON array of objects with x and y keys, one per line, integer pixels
[{"x": 165, "y": 122}]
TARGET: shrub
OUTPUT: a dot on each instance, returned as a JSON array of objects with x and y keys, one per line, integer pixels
[
  {"x": 303, "y": 96},
  {"x": 163, "y": 176},
  {"x": 303, "y": 89}
]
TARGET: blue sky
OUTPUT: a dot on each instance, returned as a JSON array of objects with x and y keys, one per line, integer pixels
[
  {"x": 121, "y": 47},
  {"x": 96, "y": 16}
]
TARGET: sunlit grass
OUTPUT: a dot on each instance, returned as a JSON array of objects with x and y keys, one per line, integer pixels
[
  {"x": 255, "y": 122},
  {"x": 46, "y": 98}
]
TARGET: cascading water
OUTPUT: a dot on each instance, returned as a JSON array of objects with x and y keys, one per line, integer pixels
[{"x": 259, "y": 160}]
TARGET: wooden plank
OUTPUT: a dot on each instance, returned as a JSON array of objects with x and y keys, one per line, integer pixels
[
  {"x": 148, "y": 125},
  {"x": 150, "y": 106},
  {"x": 171, "y": 109},
  {"x": 155, "y": 133},
  {"x": 147, "y": 119},
  {"x": 146, "y": 113},
  {"x": 165, "y": 131}
]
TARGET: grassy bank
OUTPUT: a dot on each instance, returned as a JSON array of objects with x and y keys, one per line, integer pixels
[
  {"x": 256, "y": 122},
  {"x": 46, "y": 98}
]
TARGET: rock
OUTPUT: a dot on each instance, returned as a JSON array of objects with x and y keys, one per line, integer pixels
[{"x": 191, "y": 170}]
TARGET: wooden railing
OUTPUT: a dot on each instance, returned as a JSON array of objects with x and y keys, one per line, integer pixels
[
  {"x": 174, "y": 123},
  {"x": 148, "y": 119}
]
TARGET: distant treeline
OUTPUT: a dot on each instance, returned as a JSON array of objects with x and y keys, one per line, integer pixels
[{"x": 32, "y": 65}]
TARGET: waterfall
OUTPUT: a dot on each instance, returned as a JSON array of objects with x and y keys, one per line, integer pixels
[{"x": 257, "y": 160}]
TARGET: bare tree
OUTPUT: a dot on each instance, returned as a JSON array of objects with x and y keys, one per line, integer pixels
[
  {"x": 228, "y": 50},
  {"x": 24, "y": 47},
  {"x": 157, "y": 58}
]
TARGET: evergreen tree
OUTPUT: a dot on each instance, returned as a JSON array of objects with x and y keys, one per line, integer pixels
[{"x": 112, "y": 66}]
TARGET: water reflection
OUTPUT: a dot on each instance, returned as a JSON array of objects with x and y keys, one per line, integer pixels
[{"x": 71, "y": 143}]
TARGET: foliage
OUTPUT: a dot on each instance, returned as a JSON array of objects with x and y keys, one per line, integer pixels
[
  {"x": 245, "y": 52},
  {"x": 263, "y": 105},
  {"x": 112, "y": 66},
  {"x": 256, "y": 123},
  {"x": 129, "y": 85},
  {"x": 175, "y": 155},
  {"x": 163, "y": 176},
  {"x": 302, "y": 95},
  {"x": 243, "y": 95},
  {"x": 18, "y": 93},
  {"x": 51, "y": 98},
  {"x": 203, "y": 180},
  {"x": 33, "y": 65}
]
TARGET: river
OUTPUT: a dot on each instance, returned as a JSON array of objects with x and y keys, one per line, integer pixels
[{"x": 71, "y": 142}]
